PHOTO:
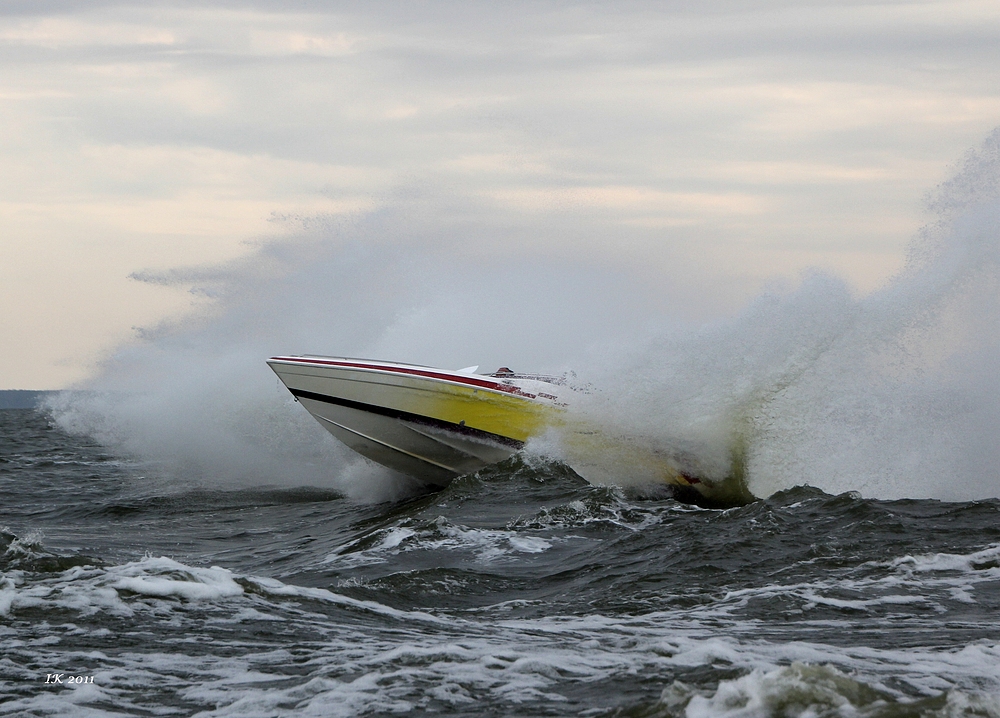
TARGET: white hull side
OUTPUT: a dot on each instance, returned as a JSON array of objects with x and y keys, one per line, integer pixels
[
  {"x": 401, "y": 420},
  {"x": 430, "y": 453}
]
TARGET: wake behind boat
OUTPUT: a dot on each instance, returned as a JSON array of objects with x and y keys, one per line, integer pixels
[{"x": 438, "y": 424}]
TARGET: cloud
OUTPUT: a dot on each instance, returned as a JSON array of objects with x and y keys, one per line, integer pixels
[{"x": 762, "y": 137}]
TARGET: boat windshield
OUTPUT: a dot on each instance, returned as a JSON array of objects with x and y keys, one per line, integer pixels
[{"x": 507, "y": 373}]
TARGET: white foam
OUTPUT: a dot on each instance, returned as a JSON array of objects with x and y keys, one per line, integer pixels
[
  {"x": 798, "y": 690},
  {"x": 815, "y": 690},
  {"x": 933, "y": 580},
  {"x": 89, "y": 589},
  {"x": 277, "y": 588},
  {"x": 488, "y": 545},
  {"x": 618, "y": 512},
  {"x": 412, "y": 657},
  {"x": 985, "y": 563},
  {"x": 163, "y": 577}
]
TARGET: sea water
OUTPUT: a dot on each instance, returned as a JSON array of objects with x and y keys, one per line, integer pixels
[{"x": 520, "y": 590}]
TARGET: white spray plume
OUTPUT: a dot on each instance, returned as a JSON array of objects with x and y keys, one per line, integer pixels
[
  {"x": 896, "y": 394},
  {"x": 196, "y": 399}
]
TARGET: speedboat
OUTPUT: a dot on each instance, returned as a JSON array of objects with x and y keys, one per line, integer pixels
[
  {"x": 438, "y": 424},
  {"x": 433, "y": 424}
]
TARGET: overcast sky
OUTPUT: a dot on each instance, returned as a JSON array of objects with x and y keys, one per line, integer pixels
[{"x": 744, "y": 140}]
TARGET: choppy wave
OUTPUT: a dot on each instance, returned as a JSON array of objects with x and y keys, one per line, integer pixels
[
  {"x": 319, "y": 652},
  {"x": 520, "y": 590}
]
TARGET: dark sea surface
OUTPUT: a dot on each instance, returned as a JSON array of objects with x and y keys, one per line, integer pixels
[{"x": 519, "y": 591}]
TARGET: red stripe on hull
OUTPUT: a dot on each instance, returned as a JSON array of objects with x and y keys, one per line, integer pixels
[{"x": 429, "y": 373}]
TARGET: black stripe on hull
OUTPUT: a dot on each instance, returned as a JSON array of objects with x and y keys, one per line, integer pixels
[{"x": 410, "y": 417}]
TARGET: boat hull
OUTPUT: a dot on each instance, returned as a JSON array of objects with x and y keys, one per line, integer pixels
[
  {"x": 436, "y": 425},
  {"x": 427, "y": 423}
]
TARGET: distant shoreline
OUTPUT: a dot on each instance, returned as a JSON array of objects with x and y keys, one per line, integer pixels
[{"x": 23, "y": 398}]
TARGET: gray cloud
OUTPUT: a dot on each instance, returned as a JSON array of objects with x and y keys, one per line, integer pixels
[{"x": 757, "y": 138}]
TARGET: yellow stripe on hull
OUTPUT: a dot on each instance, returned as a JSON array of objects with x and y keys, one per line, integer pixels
[{"x": 504, "y": 414}]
